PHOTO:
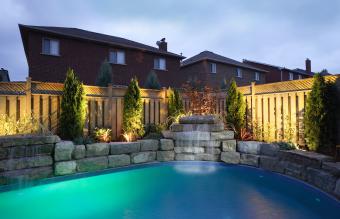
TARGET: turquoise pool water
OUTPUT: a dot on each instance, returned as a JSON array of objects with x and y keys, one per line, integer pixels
[{"x": 171, "y": 190}]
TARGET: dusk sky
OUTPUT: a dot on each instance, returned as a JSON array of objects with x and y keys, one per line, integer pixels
[{"x": 281, "y": 33}]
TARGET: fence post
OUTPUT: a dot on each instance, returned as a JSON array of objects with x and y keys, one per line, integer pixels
[
  {"x": 28, "y": 92},
  {"x": 252, "y": 110},
  {"x": 109, "y": 87},
  {"x": 163, "y": 109}
]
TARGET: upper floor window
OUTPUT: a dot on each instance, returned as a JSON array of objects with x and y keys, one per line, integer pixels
[
  {"x": 300, "y": 77},
  {"x": 159, "y": 63},
  {"x": 117, "y": 57},
  {"x": 291, "y": 76},
  {"x": 257, "y": 76},
  {"x": 213, "y": 67},
  {"x": 239, "y": 73},
  {"x": 50, "y": 47}
]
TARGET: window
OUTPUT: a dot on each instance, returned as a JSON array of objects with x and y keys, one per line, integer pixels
[
  {"x": 300, "y": 77},
  {"x": 213, "y": 67},
  {"x": 50, "y": 47},
  {"x": 291, "y": 76},
  {"x": 257, "y": 76},
  {"x": 117, "y": 57},
  {"x": 239, "y": 73},
  {"x": 159, "y": 63}
]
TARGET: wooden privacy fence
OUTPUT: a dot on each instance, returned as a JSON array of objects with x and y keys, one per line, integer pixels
[
  {"x": 275, "y": 110},
  {"x": 104, "y": 104}
]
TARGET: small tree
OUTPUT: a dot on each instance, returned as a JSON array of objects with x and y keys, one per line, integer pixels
[
  {"x": 132, "y": 114},
  {"x": 152, "y": 81},
  {"x": 175, "y": 106},
  {"x": 72, "y": 116},
  {"x": 319, "y": 118},
  {"x": 105, "y": 74},
  {"x": 235, "y": 108}
]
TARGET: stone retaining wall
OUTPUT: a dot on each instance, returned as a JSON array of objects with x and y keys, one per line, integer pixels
[{"x": 42, "y": 157}]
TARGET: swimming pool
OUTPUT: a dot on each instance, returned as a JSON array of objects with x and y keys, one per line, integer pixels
[{"x": 171, "y": 190}]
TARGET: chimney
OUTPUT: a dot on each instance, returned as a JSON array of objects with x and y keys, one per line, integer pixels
[
  {"x": 162, "y": 45},
  {"x": 308, "y": 65},
  {"x": 4, "y": 75}
]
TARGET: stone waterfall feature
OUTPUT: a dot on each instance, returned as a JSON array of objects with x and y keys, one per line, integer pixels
[{"x": 203, "y": 138}]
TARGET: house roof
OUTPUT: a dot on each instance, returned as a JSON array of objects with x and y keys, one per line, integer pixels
[
  {"x": 297, "y": 70},
  {"x": 95, "y": 37},
  {"x": 207, "y": 55}
]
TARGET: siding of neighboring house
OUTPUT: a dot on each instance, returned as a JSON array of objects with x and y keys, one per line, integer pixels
[
  {"x": 201, "y": 71},
  {"x": 274, "y": 73},
  {"x": 85, "y": 57}
]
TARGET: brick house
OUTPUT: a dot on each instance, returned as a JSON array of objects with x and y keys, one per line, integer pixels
[
  {"x": 50, "y": 51},
  {"x": 211, "y": 69},
  {"x": 277, "y": 73}
]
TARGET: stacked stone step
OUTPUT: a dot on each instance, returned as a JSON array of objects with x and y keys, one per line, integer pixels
[{"x": 202, "y": 138}]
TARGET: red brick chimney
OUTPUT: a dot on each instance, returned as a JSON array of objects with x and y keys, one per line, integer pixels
[
  {"x": 308, "y": 65},
  {"x": 162, "y": 45}
]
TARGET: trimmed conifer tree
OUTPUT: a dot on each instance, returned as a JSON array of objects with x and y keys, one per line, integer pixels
[
  {"x": 319, "y": 118},
  {"x": 235, "y": 107},
  {"x": 132, "y": 112},
  {"x": 175, "y": 106},
  {"x": 152, "y": 81},
  {"x": 72, "y": 117},
  {"x": 105, "y": 74}
]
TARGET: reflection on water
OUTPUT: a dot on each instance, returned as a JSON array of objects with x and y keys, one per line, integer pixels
[{"x": 195, "y": 169}]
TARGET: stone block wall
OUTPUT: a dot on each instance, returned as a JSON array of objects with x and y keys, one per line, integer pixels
[{"x": 25, "y": 158}]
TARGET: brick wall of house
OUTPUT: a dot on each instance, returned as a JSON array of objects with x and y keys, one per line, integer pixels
[
  {"x": 85, "y": 57},
  {"x": 201, "y": 71}
]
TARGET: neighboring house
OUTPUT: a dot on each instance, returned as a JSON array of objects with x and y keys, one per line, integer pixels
[
  {"x": 50, "y": 51},
  {"x": 4, "y": 76},
  {"x": 212, "y": 69},
  {"x": 277, "y": 73}
]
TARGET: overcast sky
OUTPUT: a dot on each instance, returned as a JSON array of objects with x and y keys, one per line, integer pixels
[{"x": 282, "y": 33}]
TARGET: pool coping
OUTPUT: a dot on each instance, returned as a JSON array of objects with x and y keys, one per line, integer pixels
[{"x": 55, "y": 179}]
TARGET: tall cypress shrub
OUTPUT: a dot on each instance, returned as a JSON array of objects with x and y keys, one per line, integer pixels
[
  {"x": 72, "y": 116},
  {"x": 105, "y": 74},
  {"x": 320, "y": 117},
  {"x": 235, "y": 107},
  {"x": 175, "y": 106},
  {"x": 152, "y": 81},
  {"x": 132, "y": 112}
]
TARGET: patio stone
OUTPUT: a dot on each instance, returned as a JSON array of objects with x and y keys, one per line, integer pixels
[
  {"x": 305, "y": 158},
  {"x": 92, "y": 164},
  {"x": 250, "y": 159},
  {"x": 212, "y": 150},
  {"x": 3, "y": 153},
  {"x": 192, "y": 136},
  {"x": 65, "y": 168},
  {"x": 143, "y": 157},
  {"x": 333, "y": 168},
  {"x": 79, "y": 152},
  {"x": 194, "y": 143},
  {"x": 97, "y": 149},
  {"x": 149, "y": 145},
  {"x": 294, "y": 170},
  {"x": 229, "y": 145},
  {"x": 269, "y": 149},
  {"x": 197, "y": 127},
  {"x": 249, "y": 147},
  {"x": 124, "y": 147},
  {"x": 224, "y": 135},
  {"x": 337, "y": 188},
  {"x": 11, "y": 141},
  {"x": 184, "y": 157},
  {"x": 165, "y": 155},
  {"x": 230, "y": 157},
  {"x": 271, "y": 164},
  {"x": 63, "y": 151},
  {"x": 199, "y": 119},
  {"x": 119, "y": 160},
  {"x": 23, "y": 163},
  {"x": 24, "y": 175},
  {"x": 166, "y": 144},
  {"x": 167, "y": 134},
  {"x": 194, "y": 150},
  {"x": 321, "y": 179},
  {"x": 207, "y": 157}
]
